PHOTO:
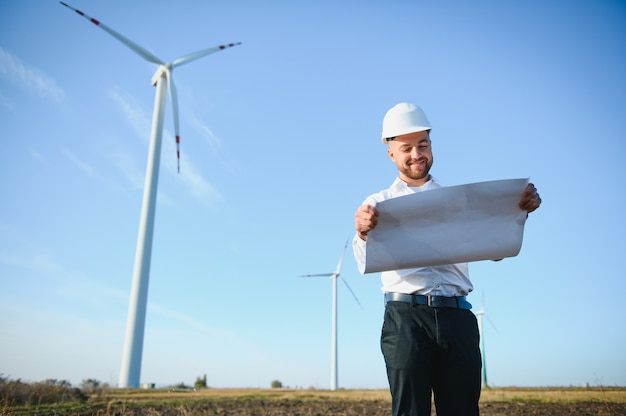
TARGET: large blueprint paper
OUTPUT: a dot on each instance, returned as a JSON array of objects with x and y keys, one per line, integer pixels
[{"x": 479, "y": 221}]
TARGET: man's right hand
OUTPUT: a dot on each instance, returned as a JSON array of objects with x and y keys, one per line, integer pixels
[{"x": 365, "y": 220}]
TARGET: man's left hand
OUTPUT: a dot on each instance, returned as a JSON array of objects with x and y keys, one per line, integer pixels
[{"x": 530, "y": 199}]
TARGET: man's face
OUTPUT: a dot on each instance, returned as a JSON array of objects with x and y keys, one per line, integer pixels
[{"x": 412, "y": 154}]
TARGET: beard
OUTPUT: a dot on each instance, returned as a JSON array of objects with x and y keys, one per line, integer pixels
[{"x": 418, "y": 174}]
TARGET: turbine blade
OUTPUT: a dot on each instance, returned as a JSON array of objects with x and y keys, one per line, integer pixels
[
  {"x": 196, "y": 55},
  {"x": 132, "y": 45},
  {"x": 318, "y": 275},
  {"x": 492, "y": 324},
  {"x": 353, "y": 295},
  {"x": 341, "y": 259},
  {"x": 174, "y": 101}
]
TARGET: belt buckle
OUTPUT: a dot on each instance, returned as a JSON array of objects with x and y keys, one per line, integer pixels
[
  {"x": 429, "y": 301},
  {"x": 442, "y": 302}
]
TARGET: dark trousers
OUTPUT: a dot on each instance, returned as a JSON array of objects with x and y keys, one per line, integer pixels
[{"x": 431, "y": 351}]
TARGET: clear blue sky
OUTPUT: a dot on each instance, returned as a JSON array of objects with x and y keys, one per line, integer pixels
[{"x": 280, "y": 144}]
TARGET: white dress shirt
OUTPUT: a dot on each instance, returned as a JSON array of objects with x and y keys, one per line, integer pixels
[{"x": 446, "y": 280}]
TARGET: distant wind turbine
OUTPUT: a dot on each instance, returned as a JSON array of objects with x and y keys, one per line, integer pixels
[
  {"x": 333, "y": 355},
  {"x": 133, "y": 345},
  {"x": 480, "y": 314}
]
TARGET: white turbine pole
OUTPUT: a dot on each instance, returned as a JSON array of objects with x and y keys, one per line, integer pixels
[
  {"x": 333, "y": 354},
  {"x": 136, "y": 323},
  {"x": 133, "y": 344}
]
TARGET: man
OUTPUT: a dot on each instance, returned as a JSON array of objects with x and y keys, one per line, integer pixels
[{"x": 429, "y": 338}]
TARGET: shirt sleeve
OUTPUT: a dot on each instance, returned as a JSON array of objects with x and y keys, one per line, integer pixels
[
  {"x": 358, "y": 245},
  {"x": 358, "y": 248}
]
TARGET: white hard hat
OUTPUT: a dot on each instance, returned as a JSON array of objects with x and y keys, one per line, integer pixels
[{"x": 404, "y": 118}]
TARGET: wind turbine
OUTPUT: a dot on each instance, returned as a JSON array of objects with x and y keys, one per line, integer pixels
[
  {"x": 333, "y": 355},
  {"x": 133, "y": 345},
  {"x": 480, "y": 314}
]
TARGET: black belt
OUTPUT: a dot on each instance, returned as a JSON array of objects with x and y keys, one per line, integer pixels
[{"x": 458, "y": 302}]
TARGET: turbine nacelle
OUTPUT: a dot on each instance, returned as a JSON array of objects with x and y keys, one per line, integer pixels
[{"x": 162, "y": 71}]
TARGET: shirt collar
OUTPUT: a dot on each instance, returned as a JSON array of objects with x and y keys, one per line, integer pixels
[{"x": 400, "y": 186}]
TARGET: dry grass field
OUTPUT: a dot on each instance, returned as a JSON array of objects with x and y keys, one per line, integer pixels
[{"x": 283, "y": 402}]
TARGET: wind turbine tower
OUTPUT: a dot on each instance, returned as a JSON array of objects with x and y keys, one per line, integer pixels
[
  {"x": 162, "y": 79},
  {"x": 333, "y": 342}
]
